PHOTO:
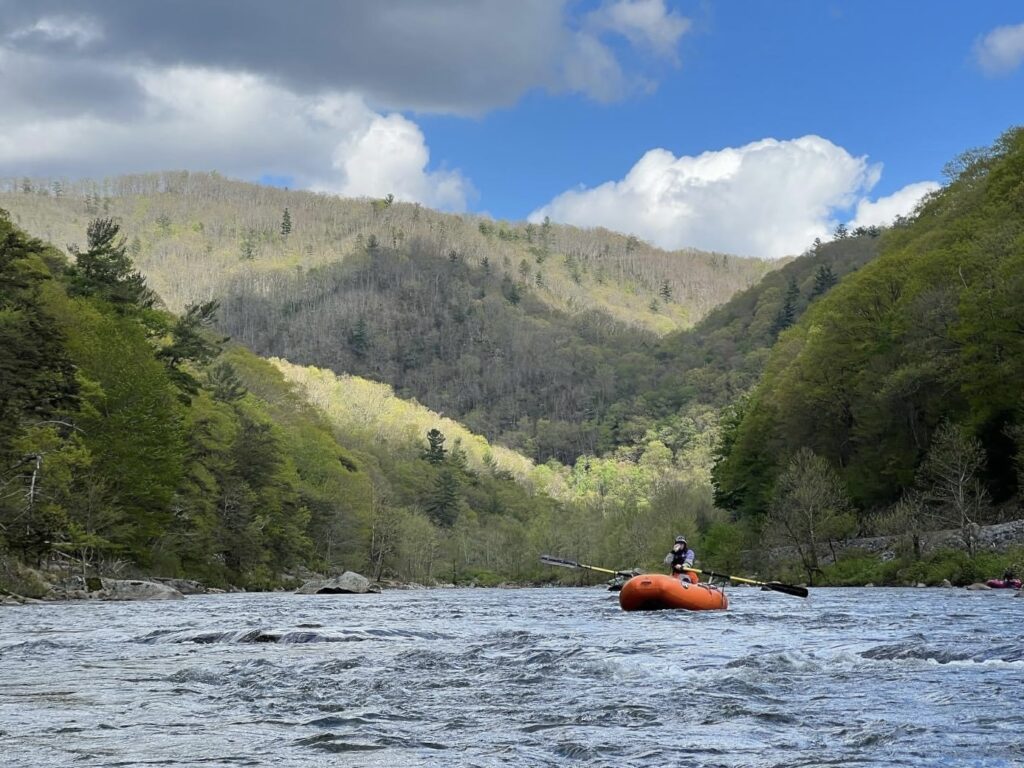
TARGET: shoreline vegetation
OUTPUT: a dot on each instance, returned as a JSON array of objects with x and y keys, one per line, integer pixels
[{"x": 944, "y": 568}]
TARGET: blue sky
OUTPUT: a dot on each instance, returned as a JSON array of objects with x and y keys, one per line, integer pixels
[
  {"x": 896, "y": 81},
  {"x": 746, "y": 127}
]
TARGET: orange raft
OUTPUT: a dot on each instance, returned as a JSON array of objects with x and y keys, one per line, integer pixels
[{"x": 657, "y": 592}]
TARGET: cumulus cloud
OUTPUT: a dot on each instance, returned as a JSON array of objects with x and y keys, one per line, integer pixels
[
  {"x": 768, "y": 198},
  {"x": 242, "y": 125},
  {"x": 885, "y": 210},
  {"x": 1001, "y": 51}
]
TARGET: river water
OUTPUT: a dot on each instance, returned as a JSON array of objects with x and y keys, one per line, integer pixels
[{"x": 532, "y": 677}]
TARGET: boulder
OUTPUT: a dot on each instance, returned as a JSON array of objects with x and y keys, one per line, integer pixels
[
  {"x": 349, "y": 583},
  {"x": 920, "y": 584},
  {"x": 135, "y": 589},
  {"x": 977, "y": 587},
  {"x": 946, "y": 583},
  {"x": 185, "y": 586}
]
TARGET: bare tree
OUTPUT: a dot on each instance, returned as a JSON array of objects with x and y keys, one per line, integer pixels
[
  {"x": 810, "y": 508},
  {"x": 950, "y": 483}
]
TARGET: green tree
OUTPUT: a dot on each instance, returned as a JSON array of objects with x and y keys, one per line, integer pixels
[
  {"x": 810, "y": 508},
  {"x": 106, "y": 271},
  {"x": 359, "y": 339},
  {"x": 247, "y": 246},
  {"x": 286, "y": 223},
  {"x": 824, "y": 279},
  {"x": 192, "y": 342},
  {"x": 666, "y": 291},
  {"x": 37, "y": 376},
  {"x": 224, "y": 384},
  {"x": 442, "y": 505},
  {"x": 435, "y": 452},
  {"x": 787, "y": 314}
]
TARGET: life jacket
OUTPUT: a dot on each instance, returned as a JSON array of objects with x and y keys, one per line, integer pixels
[{"x": 679, "y": 558}]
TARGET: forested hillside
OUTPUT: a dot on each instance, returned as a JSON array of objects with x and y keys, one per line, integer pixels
[
  {"x": 131, "y": 438},
  {"x": 905, "y": 379},
  {"x": 193, "y": 233},
  {"x": 526, "y": 333}
]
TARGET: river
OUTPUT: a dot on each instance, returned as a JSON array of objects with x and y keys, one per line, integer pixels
[{"x": 531, "y": 677}]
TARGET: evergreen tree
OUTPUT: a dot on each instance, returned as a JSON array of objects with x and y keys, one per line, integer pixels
[
  {"x": 443, "y": 503},
  {"x": 824, "y": 279},
  {"x": 457, "y": 458},
  {"x": 248, "y": 245},
  {"x": 191, "y": 341},
  {"x": 225, "y": 384},
  {"x": 37, "y": 377},
  {"x": 510, "y": 291},
  {"x": 105, "y": 270},
  {"x": 286, "y": 223},
  {"x": 359, "y": 339},
  {"x": 666, "y": 291},
  {"x": 435, "y": 453},
  {"x": 787, "y": 314}
]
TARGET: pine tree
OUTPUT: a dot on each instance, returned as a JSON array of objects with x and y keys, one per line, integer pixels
[
  {"x": 359, "y": 339},
  {"x": 787, "y": 314},
  {"x": 435, "y": 452},
  {"x": 666, "y": 291},
  {"x": 286, "y": 223},
  {"x": 224, "y": 383},
  {"x": 105, "y": 270},
  {"x": 248, "y": 245},
  {"x": 443, "y": 503},
  {"x": 458, "y": 458},
  {"x": 824, "y": 279}
]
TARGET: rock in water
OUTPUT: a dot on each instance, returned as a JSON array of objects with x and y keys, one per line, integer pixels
[
  {"x": 133, "y": 589},
  {"x": 349, "y": 583},
  {"x": 185, "y": 586},
  {"x": 977, "y": 587},
  {"x": 947, "y": 583}
]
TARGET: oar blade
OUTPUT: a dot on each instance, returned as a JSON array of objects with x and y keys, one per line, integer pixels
[
  {"x": 786, "y": 589},
  {"x": 549, "y": 560}
]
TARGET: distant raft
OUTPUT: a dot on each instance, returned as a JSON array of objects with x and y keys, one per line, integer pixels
[
  {"x": 658, "y": 592},
  {"x": 1004, "y": 583}
]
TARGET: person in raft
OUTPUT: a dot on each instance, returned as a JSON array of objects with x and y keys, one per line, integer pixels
[{"x": 680, "y": 558}]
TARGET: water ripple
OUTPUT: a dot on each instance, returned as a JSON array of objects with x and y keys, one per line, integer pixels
[{"x": 550, "y": 677}]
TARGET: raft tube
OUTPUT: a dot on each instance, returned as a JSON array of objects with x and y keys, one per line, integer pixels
[
  {"x": 658, "y": 592},
  {"x": 1004, "y": 584}
]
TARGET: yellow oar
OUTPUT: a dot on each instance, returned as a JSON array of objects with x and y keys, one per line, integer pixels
[
  {"x": 774, "y": 586},
  {"x": 549, "y": 560}
]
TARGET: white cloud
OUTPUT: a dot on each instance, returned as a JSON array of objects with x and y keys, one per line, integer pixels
[
  {"x": 768, "y": 198},
  {"x": 645, "y": 23},
  {"x": 244, "y": 126},
  {"x": 78, "y": 31},
  {"x": 1002, "y": 50},
  {"x": 884, "y": 210}
]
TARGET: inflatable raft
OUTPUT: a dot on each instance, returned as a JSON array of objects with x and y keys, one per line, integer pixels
[
  {"x": 1004, "y": 583},
  {"x": 658, "y": 592}
]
